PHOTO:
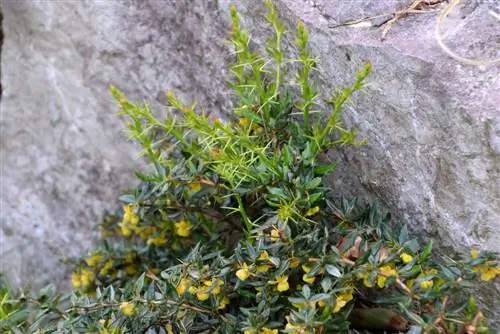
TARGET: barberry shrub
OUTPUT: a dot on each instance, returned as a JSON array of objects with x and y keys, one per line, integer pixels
[{"x": 233, "y": 228}]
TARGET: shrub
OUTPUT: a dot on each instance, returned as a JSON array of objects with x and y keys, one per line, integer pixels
[{"x": 234, "y": 230}]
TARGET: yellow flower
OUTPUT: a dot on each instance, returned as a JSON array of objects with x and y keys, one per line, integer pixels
[
  {"x": 312, "y": 211},
  {"x": 195, "y": 186},
  {"x": 294, "y": 262},
  {"x": 266, "y": 330},
  {"x": 183, "y": 228},
  {"x": 305, "y": 277},
  {"x": 106, "y": 268},
  {"x": 129, "y": 216},
  {"x": 282, "y": 283},
  {"x": 223, "y": 303},
  {"x": 321, "y": 303},
  {"x": 94, "y": 260},
  {"x": 183, "y": 286},
  {"x": 76, "y": 280},
  {"x": 127, "y": 308},
  {"x": 87, "y": 277},
  {"x": 245, "y": 121},
  {"x": 474, "y": 253},
  {"x": 216, "y": 283},
  {"x": 250, "y": 331},
  {"x": 381, "y": 281},
  {"x": 275, "y": 235},
  {"x": 263, "y": 268},
  {"x": 202, "y": 295},
  {"x": 366, "y": 282},
  {"x": 157, "y": 241},
  {"x": 407, "y": 258},
  {"x": 432, "y": 271},
  {"x": 264, "y": 256},
  {"x": 125, "y": 230},
  {"x": 244, "y": 272},
  {"x": 147, "y": 232},
  {"x": 487, "y": 273},
  {"x": 426, "y": 284},
  {"x": 308, "y": 279},
  {"x": 339, "y": 304},
  {"x": 342, "y": 300},
  {"x": 388, "y": 271}
]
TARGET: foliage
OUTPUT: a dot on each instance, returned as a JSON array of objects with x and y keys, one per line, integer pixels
[{"x": 234, "y": 229}]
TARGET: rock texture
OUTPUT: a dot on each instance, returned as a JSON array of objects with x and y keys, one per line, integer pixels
[{"x": 433, "y": 124}]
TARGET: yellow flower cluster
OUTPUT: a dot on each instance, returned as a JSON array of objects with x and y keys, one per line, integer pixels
[
  {"x": 282, "y": 283},
  {"x": 307, "y": 277},
  {"x": 244, "y": 272},
  {"x": 130, "y": 220},
  {"x": 158, "y": 240},
  {"x": 342, "y": 300},
  {"x": 407, "y": 258},
  {"x": 183, "y": 228},
  {"x": 127, "y": 308},
  {"x": 487, "y": 272},
  {"x": 209, "y": 286},
  {"x": 106, "y": 268},
  {"x": 264, "y": 263},
  {"x": 183, "y": 286},
  {"x": 383, "y": 273},
  {"x": 82, "y": 279},
  {"x": 427, "y": 284},
  {"x": 94, "y": 260}
]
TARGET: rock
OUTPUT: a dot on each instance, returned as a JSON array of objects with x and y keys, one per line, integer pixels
[{"x": 432, "y": 123}]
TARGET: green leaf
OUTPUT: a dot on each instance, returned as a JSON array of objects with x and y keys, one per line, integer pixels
[
  {"x": 412, "y": 316},
  {"x": 314, "y": 183},
  {"x": 325, "y": 169},
  {"x": 139, "y": 284},
  {"x": 326, "y": 283},
  {"x": 306, "y": 291},
  {"x": 332, "y": 270},
  {"x": 403, "y": 235},
  {"x": 412, "y": 245},
  {"x": 427, "y": 251}
]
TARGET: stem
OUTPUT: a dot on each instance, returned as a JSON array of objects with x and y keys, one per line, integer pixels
[{"x": 241, "y": 208}]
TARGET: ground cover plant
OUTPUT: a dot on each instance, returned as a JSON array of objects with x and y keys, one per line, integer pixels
[{"x": 233, "y": 229}]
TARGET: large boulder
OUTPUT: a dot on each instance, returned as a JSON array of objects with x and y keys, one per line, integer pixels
[{"x": 432, "y": 123}]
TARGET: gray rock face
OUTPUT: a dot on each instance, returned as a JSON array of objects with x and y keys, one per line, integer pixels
[{"x": 433, "y": 124}]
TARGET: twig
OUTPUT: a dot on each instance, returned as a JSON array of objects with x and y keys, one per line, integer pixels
[
  {"x": 448, "y": 51},
  {"x": 415, "y": 7}
]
